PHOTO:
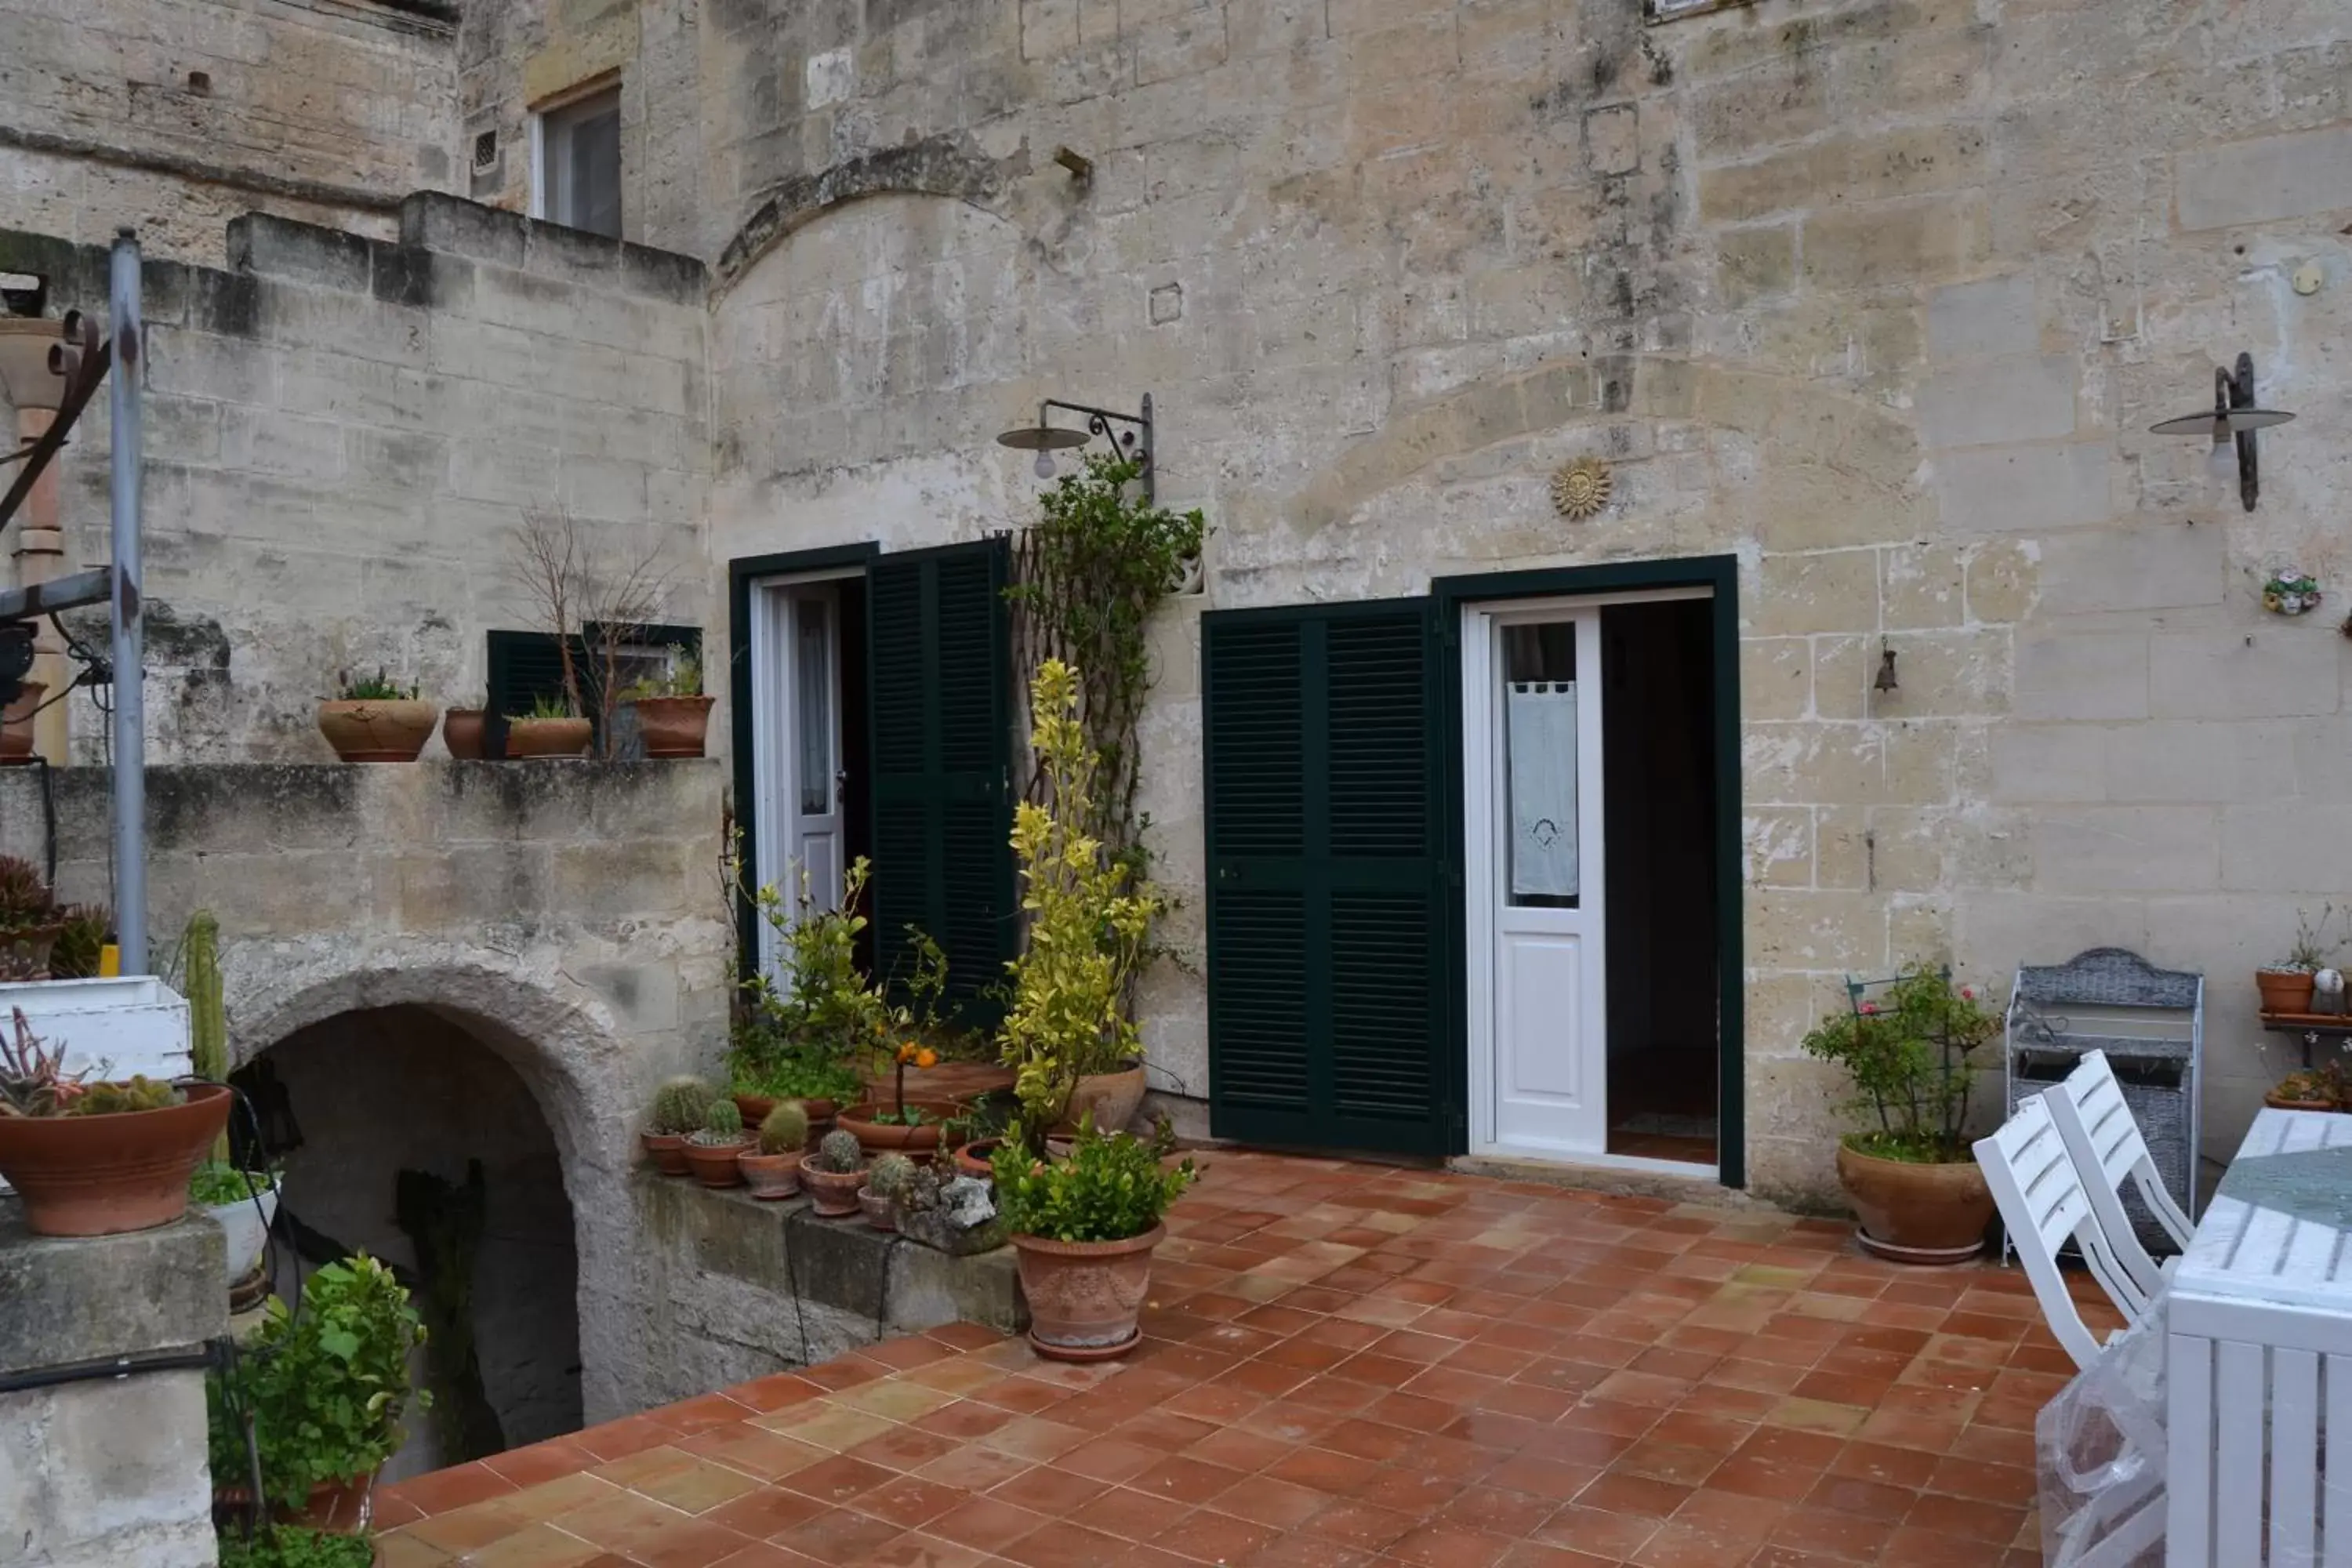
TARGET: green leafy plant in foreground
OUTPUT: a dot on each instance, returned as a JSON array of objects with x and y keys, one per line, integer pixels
[
  {"x": 326, "y": 1392},
  {"x": 217, "y": 1182},
  {"x": 1113, "y": 1187},
  {"x": 1909, "y": 1055},
  {"x": 292, "y": 1546}
]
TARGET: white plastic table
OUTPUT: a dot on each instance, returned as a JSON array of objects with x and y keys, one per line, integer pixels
[{"x": 2259, "y": 1360}]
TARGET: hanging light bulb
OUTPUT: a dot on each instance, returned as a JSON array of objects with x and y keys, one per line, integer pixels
[{"x": 1045, "y": 464}]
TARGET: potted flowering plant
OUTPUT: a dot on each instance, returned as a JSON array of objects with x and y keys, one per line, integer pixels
[{"x": 1907, "y": 1170}]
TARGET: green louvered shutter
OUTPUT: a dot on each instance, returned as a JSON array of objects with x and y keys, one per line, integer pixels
[
  {"x": 938, "y": 663},
  {"x": 1325, "y": 974}
]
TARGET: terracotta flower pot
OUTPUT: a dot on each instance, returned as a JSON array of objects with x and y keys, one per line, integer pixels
[
  {"x": 337, "y": 1507},
  {"x": 25, "y": 950},
  {"x": 974, "y": 1159},
  {"x": 1084, "y": 1296},
  {"x": 374, "y": 729},
  {"x": 770, "y": 1176},
  {"x": 548, "y": 737},
  {"x": 714, "y": 1163},
  {"x": 2286, "y": 989},
  {"x": 834, "y": 1193},
  {"x": 880, "y": 1212},
  {"x": 755, "y": 1107},
  {"x": 1113, "y": 1097},
  {"x": 1912, "y": 1212},
  {"x": 672, "y": 726},
  {"x": 97, "y": 1175},
  {"x": 16, "y": 721},
  {"x": 461, "y": 731},
  {"x": 919, "y": 1142},
  {"x": 667, "y": 1151},
  {"x": 2278, "y": 1101}
]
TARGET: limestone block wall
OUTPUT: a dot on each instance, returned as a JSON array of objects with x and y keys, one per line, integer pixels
[
  {"x": 178, "y": 115},
  {"x": 565, "y": 916},
  {"x": 342, "y": 434},
  {"x": 1879, "y": 296}
]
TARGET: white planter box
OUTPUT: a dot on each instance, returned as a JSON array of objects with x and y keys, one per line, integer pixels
[{"x": 114, "y": 1028}]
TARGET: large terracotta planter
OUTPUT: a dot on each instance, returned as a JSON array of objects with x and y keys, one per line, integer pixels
[
  {"x": 16, "y": 721},
  {"x": 834, "y": 1193},
  {"x": 1084, "y": 1296},
  {"x": 372, "y": 730},
  {"x": 548, "y": 737},
  {"x": 714, "y": 1163},
  {"x": 1113, "y": 1097},
  {"x": 770, "y": 1176},
  {"x": 1914, "y": 1213},
  {"x": 919, "y": 1143},
  {"x": 672, "y": 726},
  {"x": 667, "y": 1151},
  {"x": 2286, "y": 989},
  {"x": 461, "y": 731},
  {"x": 98, "y": 1175}
]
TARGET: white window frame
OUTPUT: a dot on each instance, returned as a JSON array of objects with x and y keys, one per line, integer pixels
[{"x": 560, "y": 107}]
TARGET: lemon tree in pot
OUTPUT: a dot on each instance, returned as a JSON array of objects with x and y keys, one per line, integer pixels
[
  {"x": 312, "y": 1407},
  {"x": 1907, "y": 1170},
  {"x": 1084, "y": 1229}
]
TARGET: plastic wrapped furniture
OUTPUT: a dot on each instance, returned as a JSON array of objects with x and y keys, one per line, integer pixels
[
  {"x": 2151, "y": 1022},
  {"x": 2100, "y": 1456}
]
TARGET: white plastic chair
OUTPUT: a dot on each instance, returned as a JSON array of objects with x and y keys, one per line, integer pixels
[
  {"x": 2108, "y": 1146},
  {"x": 2044, "y": 1203}
]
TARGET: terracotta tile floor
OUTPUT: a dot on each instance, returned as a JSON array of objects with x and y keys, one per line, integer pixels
[{"x": 1352, "y": 1364}]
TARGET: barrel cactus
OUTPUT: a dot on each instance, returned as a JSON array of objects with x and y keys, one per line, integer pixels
[
  {"x": 721, "y": 1124},
  {"x": 840, "y": 1152},
  {"x": 891, "y": 1176},
  {"x": 680, "y": 1107},
  {"x": 131, "y": 1094},
  {"x": 785, "y": 1130}
]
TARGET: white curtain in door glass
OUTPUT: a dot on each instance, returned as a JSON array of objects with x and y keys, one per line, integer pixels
[{"x": 1540, "y": 720}]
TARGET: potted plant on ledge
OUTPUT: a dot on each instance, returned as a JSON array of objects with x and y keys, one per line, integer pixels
[
  {"x": 30, "y": 921},
  {"x": 773, "y": 1169},
  {"x": 1084, "y": 1229},
  {"x": 374, "y": 719},
  {"x": 681, "y": 1106},
  {"x": 797, "y": 1043},
  {"x": 673, "y": 714},
  {"x": 833, "y": 1175},
  {"x": 2286, "y": 987},
  {"x": 712, "y": 1149},
  {"x": 1908, "y": 1171}
]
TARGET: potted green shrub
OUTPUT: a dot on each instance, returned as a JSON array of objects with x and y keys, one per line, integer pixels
[
  {"x": 799, "y": 1043},
  {"x": 712, "y": 1148},
  {"x": 1089, "y": 932},
  {"x": 294, "y": 1546},
  {"x": 374, "y": 719},
  {"x": 772, "y": 1168},
  {"x": 244, "y": 1204},
  {"x": 1908, "y": 1170},
  {"x": 322, "y": 1393},
  {"x": 673, "y": 714},
  {"x": 96, "y": 1159},
  {"x": 833, "y": 1175},
  {"x": 30, "y": 920},
  {"x": 2287, "y": 986},
  {"x": 680, "y": 1106},
  {"x": 1084, "y": 1228}
]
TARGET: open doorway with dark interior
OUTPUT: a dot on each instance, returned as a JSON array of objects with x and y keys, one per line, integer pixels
[{"x": 1658, "y": 752}]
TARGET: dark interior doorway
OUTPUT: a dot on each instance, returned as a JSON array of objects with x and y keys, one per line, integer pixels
[
  {"x": 857, "y": 747},
  {"x": 1659, "y": 794}
]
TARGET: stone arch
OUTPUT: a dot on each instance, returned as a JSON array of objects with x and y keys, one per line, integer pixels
[{"x": 934, "y": 166}]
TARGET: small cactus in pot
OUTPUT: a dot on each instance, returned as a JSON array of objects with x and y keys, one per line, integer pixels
[
  {"x": 887, "y": 1185},
  {"x": 712, "y": 1150},
  {"x": 833, "y": 1175},
  {"x": 680, "y": 1108},
  {"x": 773, "y": 1169}
]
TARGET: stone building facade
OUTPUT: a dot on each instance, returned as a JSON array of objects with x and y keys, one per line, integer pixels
[{"x": 1873, "y": 301}]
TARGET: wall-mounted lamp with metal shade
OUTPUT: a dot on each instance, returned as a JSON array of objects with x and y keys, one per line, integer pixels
[
  {"x": 1046, "y": 438},
  {"x": 2232, "y": 422}
]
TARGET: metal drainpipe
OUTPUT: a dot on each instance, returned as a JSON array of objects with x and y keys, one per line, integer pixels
[{"x": 129, "y": 685}]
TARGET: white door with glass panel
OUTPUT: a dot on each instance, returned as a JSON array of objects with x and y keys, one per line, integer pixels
[
  {"x": 1532, "y": 840},
  {"x": 796, "y": 744}
]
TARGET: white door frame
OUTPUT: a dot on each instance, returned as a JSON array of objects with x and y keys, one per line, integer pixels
[
  {"x": 1480, "y": 632},
  {"x": 775, "y": 801}
]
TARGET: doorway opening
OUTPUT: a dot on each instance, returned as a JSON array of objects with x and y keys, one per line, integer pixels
[
  {"x": 1592, "y": 825},
  {"x": 810, "y": 742}
]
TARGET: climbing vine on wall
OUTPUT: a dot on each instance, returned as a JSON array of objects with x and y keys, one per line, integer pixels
[{"x": 1087, "y": 577}]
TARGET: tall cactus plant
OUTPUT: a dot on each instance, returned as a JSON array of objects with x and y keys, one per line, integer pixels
[{"x": 208, "y": 1014}]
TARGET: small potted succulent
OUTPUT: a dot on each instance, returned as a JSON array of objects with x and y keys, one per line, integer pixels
[
  {"x": 673, "y": 715},
  {"x": 461, "y": 730},
  {"x": 773, "y": 1169},
  {"x": 887, "y": 1184},
  {"x": 30, "y": 920},
  {"x": 552, "y": 728},
  {"x": 2287, "y": 986},
  {"x": 680, "y": 1104},
  {"x": 1084, "y": 1229},
  {"x": 374, "y": 719},
  {"x": 712, "y": 1149},
  {"x": 2326, "y": 1088},
  {"x": 95, "y": 1159},
  {"x": 833, "y": 1175}
]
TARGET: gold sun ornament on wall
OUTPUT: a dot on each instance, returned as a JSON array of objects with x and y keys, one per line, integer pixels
[{"x": 1580, "y": 488}]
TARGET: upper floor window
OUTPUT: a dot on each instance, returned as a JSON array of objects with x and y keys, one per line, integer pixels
[{"x": 577, "y": 182}]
